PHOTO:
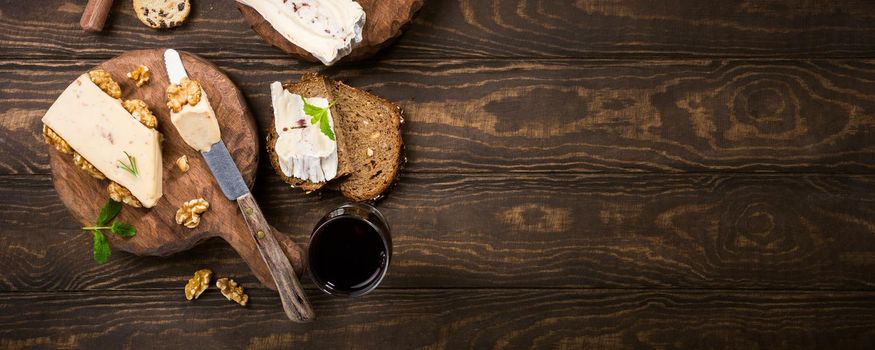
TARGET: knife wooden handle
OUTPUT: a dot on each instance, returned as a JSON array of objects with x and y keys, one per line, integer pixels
[
  {"x": 95, "y": 15},
  {"x": 294, "y": 300}
]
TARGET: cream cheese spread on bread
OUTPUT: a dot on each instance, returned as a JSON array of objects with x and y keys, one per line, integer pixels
[
  {"x": 97, "y": 126},
  {"x": 197, "y": 124},
  {"x": 328, "y": 29},
  {"x": 303, "y": 150}
]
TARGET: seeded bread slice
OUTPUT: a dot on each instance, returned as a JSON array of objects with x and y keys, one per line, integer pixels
[
  {"x": 313, "y": 85},
  {"x": 368, "y": 132}
]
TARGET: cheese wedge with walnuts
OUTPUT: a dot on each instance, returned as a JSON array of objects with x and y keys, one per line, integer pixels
[{"x": 114, "y": 142}]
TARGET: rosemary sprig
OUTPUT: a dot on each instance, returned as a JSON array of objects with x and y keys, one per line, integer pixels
[{"x": 131, "y": 167}]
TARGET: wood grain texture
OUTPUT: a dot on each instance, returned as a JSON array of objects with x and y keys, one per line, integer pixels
[
  {"x": 157, "y": 231},
  {"x": 487, "y": 29},
  {"x": 568, "y": 116},
  {"x": 446, "y": 319},
  {"x": 712, "y": 161},
  {"x": 533, "y": 231},
  {"x": 385, "y": 20}
]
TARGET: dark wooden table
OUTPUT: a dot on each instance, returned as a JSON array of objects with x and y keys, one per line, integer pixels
[{"x": 583, "y": 174}]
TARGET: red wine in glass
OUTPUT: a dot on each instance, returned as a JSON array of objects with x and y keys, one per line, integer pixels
[{"x": 349, "y": 251}]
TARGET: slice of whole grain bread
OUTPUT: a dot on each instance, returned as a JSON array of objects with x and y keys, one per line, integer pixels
[
  {"x": 313, "y": 85},
  {"x": 368, "y": 134},
  {"x": 374, "y": 139}
]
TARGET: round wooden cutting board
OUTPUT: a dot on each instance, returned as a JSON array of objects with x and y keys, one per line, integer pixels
[
  {"x": 384, "y": 22},
  {"x": 157, "y": 231}
]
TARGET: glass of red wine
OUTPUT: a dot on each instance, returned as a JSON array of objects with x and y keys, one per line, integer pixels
[{"x": 350, "y": 250}]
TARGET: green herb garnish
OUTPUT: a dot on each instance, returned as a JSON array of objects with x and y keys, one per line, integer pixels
[
  {"x": 101, "y": 247},
  {"x": 319, "y": 115},
  {"x": 117, "y": 227},
  {"x": 108, "y": 212},
  {"x": 131, "y": 167}
]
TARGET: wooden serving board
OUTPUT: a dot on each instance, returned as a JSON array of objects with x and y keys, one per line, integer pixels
[
  {"x": 157, "y": 231},
  {"x": 385, "y": 20}
]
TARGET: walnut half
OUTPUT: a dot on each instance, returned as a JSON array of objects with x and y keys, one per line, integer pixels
[
  {"x": 187, "y": 92},
  {"x": 182, "y": 163},
  {"x": 139, "y": 75},
  {"x": 62, "y": 146},
  {"x": 140, "y": 111},
  {"x": 231, "y": 290},
  {"x": 189, "y": 215},
  {"x": 86, "y": 166},
  {"x": 198, "y": 283},
  {"x": 55, "y": 140},
  {"x": 104, "y": 81},
  {"x": 119, "y": 193}
]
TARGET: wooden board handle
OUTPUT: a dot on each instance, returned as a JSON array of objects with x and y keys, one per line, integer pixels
[
  {"x": 95, "y": 15},
  {"x": 292, "y": 295}
]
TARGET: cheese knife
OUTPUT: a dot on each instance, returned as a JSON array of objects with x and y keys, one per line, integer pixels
[{"x": 295, "y": 302}]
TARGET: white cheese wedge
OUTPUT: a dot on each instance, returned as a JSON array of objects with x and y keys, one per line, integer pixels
[
  {"x": 101, "y": 130},
  {"x": 303, "y": 150},
  {"x": 197, "y": 124},
  {"x": 328, "y": 29}
]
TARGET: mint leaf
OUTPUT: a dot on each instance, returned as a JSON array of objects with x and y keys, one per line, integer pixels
[
  {"x": 109, "y": 211},
  {"x": 319, "y": 116},
  {"x": 313, "y": 111},
  {"x": 101, "y": 247},
  {"x": 326, "y": 128},
  {"x": 123, "y": 229}
]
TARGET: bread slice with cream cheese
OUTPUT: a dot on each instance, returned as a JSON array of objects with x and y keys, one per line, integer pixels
[
  {"x": 311, "y": 85},
  {"x": 368, "y": 133}
]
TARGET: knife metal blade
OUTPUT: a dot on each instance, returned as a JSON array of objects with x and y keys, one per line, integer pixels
[
  {"x": 225, "y": 171},
  {"x": 175, "y": 69}
]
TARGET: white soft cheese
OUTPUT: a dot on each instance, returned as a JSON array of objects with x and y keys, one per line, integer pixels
[
  {"x": 303, "y": 150},
  {"x": 197, "y": 124},
  {"x": 101, "y": 130},
  {"x": 328, "y": 29}
]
